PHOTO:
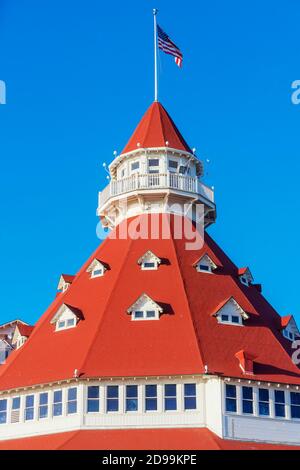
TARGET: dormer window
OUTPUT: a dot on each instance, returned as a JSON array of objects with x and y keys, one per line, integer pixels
[
  {"x": 289, "y": 328},
  {"x": 230, "y": 312},
  {"x": 149, "y": 261},
  {"x": 144, "y": 308},
  {"x": 97, "y": 268},
  {"x": 67, "y": 317},
  {"x": 64, "y": 282},
  {"x": 205, "y": 264},
  {"x": 245, "y": 276}
]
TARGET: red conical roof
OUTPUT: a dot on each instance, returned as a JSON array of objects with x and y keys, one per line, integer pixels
[
  {"x": 155, "y": 129},
  {"x": 185, "y": 339}
]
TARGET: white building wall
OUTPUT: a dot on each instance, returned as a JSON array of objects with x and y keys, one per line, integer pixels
[{"x": 213, "y": 405}]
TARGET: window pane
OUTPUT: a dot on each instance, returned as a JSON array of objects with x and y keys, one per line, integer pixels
[
  {"x": 3, "y": 405},
  {"x": 150, "y": 313},
  {"x": 224, "y": 317},
  {"x": 230, "y": 391},
  {"x": 247, "y": 393},
  {"x": 131, "y": 391},
  {"x": 71, "y": 322},
  {"x": 203, "y": 267},
  {"x": 72, "y": 407},
  {"x": 135, "y": 165},
  {"x": 131, "y": 404},
  {"x": 16, "y": 403},
  {"x": 57, "y": 409},
  {"x": 264, "y": 409},
  {"x": 149, "y": 265},
  {"x": 170, "y": 390},
  {"x": 3, "y": 417},
  {"x": 247, "y": 406},
  {"x": 93, "y": 406},
  {"x": 72, "y": 394},
  {"x": 231, "y": 405},
  {"x": 151, "y": 404},
  {"x": 190, "y": 403},
  {"x": 173, "y": 164},
  {"x": 279, "y": 410},
  {"x": 151, "y": 390},
  {"x": 138, "y": 314},
  {"x": 295, "y": 398},
  {"x": 263, "y": 394},
  {"x": 189, "y": 390},
  {"x": 61, "y": 324},
  {"x": 279, "y": 396},
  {"x": 112, "y": 404},
  {"x": 29, "y": 401},
  {"x": 235, "y": 319},
  {"x": 113, "y": 391},
  {"x": 153, "y": 161},
  {"x": 295, "y": 411},
  {"x": 43, "y": 398},
  {"x": 93, "y": 392},
  {"x": 43, "y": 411},
  {"x": 57, "y": 396},
  {"x": 29, "y": 414},
  {"x": 170, "y": 404}
]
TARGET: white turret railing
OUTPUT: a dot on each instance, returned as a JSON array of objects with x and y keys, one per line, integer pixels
[{"x": 187, "y": 184}]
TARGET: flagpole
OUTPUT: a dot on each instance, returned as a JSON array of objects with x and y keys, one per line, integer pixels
[{"x": 155, "y": 56}]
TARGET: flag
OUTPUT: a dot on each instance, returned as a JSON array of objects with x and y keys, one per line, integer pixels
[{"x": 168, "y": 46}]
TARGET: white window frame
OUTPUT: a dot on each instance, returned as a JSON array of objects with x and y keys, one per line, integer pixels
[
  {"x": 97, "y": 272},
  {"x": 145, "y": 317},
  {"x": 229, "y": 321},
  {"x": 65, "y": 326},
  {"x": 136, "y": 170}
]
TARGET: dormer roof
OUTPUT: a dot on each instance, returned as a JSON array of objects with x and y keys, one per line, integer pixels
[
  {"x": 144, "y": 298},
  {"x": 231, "y": 300},
  {"x": 149, "y": 255},
  {"x": 76, "y": 311},
  {"x": 65, "y": 279}
]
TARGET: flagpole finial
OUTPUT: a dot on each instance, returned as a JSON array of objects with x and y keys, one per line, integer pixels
[{"x": 155, "y": 11}]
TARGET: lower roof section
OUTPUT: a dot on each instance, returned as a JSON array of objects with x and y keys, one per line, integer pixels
[{"x": 136, "y": 439}]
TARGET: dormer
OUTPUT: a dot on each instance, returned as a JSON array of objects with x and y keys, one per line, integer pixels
[
  {"x": 21, "y": 335},
  {"x": 144, "y": 308},
  {"x": 289, "y": 328},
  {"x": 64, "y": 282},
  {"x": 245, "y": 276},
  {"x": 67, "y": 317},
  {"x": 230, "y": 313},
  {"x": 97, "y": 268},
  {"x": 246, "y": 361},
  {"x": 149, "y": 261},
  {"x": 205, "y": 265}
]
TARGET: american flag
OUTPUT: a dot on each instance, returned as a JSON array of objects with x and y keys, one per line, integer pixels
[{"x": 168, "y": 46}]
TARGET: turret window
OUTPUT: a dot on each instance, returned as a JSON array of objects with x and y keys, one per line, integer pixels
[
  {"x": 135, "y": 166},
  {"x": 170, "y": 397},
  {"x": 247, "y": 400},
  {"x": 173, "y": 165}
]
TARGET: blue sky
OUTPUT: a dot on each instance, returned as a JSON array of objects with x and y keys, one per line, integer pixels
[{"x": 79, "y": 76}]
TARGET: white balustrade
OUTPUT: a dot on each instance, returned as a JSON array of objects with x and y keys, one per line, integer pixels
[{"x": 155, "y": 181}]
